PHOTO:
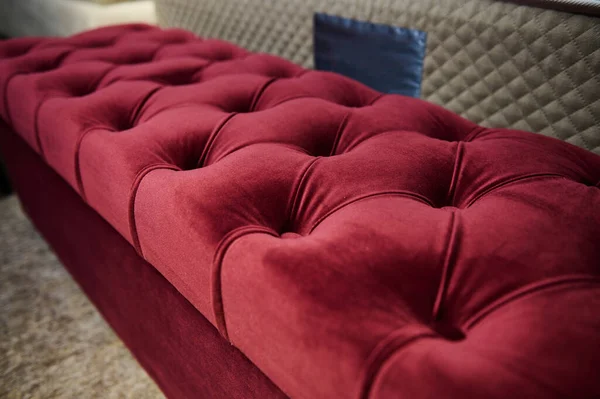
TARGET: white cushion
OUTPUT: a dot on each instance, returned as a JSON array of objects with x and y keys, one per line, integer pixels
[{"x": 66, "y": 17}]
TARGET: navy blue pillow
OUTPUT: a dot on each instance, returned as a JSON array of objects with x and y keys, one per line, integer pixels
[{"x": 386, "y": 58}]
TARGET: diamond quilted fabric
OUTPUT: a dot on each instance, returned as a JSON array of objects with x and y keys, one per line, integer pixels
[{"x": 496, "y": 63}]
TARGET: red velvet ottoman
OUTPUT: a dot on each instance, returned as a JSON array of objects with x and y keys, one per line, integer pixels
[{"x": 254, "y": 229}]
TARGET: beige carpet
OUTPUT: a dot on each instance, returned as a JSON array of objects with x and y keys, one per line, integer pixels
[{"x": 53, "y": 342}]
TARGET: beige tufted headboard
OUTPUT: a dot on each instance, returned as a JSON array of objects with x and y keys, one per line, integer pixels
[{"x": 498, "y": 63}]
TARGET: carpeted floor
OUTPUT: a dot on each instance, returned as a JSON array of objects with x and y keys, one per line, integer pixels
[{"x": 53, "y": 342}]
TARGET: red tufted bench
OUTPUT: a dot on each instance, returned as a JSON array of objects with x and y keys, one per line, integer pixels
[{"x": 347, "y": 244}]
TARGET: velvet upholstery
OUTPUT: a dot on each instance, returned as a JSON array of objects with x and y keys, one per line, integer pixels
[
  {"x": 350, "y": 244},
  {"x": 178, "y": 347}
]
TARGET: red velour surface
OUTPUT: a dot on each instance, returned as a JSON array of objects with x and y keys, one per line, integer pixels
[
  {"x": 351, "y": 244},
  {"x": 178, "y": 347}
]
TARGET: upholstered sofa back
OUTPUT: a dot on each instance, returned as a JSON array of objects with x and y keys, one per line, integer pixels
[{"x": 497, "y": 63}]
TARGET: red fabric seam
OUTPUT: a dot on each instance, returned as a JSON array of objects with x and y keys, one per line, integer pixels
[
  {"x": 515, "y": 180},
  {"x": 132, "y": 196},
  {"x": 450, "y": 197},
  {"x": 78, "y": 179},
  {"x": 79, "y": 139},
  {"x": 341, "y": 128},
  {"x": 5, "y": 94},
  {"x": 217, "y": 265},
  {"x": 295, "y": 192},
  {"x": 211, "y": 139},
  {"x": 527, "y": 291},
  {"x": 137, "y": 111},
  {"x": 384, "y": 351},
  {"x": 447, "y": 266},
  {"x": 259, "y": 93},
  {"x": 399, "y": 193}
]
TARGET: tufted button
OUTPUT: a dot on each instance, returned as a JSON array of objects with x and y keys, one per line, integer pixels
[
  {"x": 47, "y": 66},
  {"x": 141, "y": 60},
  {"x": 449, "y": 208},
  {"x": 589, "y": 183},
  {"x": 179, "y": 81},
  {"x": 221, "y": 56},
  {"x": 290, "y": 235},
  {"x": 321, "y": 152},
  {"x": 82, "y": 90},
  {"x": 182, "y": 78},
  {"x": 99, "y": 43},
  {"x": 124, "y": 124},
  {"x": 242, "y": 106},
  {"x": 15, "y": 50},
  {"x": 448, "y": 331}
]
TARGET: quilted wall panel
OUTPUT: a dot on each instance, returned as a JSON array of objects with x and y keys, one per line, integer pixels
[{"x": 496, "y": 63}]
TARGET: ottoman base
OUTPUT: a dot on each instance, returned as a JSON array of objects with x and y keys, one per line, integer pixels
[{"x": 178, "y": 347}]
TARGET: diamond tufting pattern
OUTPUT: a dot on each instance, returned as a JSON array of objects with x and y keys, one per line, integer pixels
[
  {"x": 351, "y": 244},
  {"x": 496, "y": 63}
]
